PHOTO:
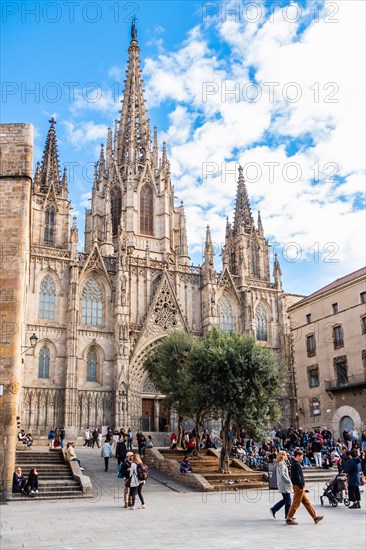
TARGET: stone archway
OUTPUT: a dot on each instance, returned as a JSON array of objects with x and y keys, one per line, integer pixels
[{"x": 340, "y": 414}]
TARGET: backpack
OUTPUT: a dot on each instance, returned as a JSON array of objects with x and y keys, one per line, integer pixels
[{"x": 142, "y": 472}]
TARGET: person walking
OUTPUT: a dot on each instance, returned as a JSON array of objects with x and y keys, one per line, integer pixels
[
  {"x": 353, "y": 469},
  {"x": 106, "y": 453},
  {"x": 284, "y": 484},
  {"x": 136, "y": 484},
  {"x": 125, "y": 473},
  {"x": 87, "y": 438},
  {"x": 129, "y": 439},
  {"x": 298, "y": 482}
]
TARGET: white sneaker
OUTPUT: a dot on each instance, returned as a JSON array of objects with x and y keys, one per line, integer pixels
[
  {"x": 82, "y": 469},
  {"x": 132, "y": 508}
]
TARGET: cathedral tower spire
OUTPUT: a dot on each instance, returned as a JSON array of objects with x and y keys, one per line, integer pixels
[
  {"x": 209, "y": 252},
  {"x": 243, "y": 214},
  {"x": 50, "y": 167},
  {"x": 133, "y": 134},
  {"x": 260, "y": 225}
]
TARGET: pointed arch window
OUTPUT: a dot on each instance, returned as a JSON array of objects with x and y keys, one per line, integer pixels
[
  {"x": 44, "y": 363},
  {"x": 116, "y": 208},
  {"x": 49, "y": 225},
  {"x": 146, "y": 210},
  {"x": 261, "y": 323},
  {"x": 47, "y": 298},
  {"x": 92, "y": 304},
  {"x": 226, "y": 314},
  {"x": 255, "y": 261},
  {"x": 91, "y": 367}
]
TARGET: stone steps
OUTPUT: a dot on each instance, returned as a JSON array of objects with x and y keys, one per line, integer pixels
[
  {"x": 55, "y": 477},
  {"x": 207, "y": 465}
]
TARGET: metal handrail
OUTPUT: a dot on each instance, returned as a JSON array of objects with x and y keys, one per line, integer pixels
[{"x": 353, "y": 380}]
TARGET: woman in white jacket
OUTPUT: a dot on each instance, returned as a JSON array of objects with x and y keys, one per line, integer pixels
[
  {"x": 136, "y": 484},
  {"x": 284, "y": 484}
]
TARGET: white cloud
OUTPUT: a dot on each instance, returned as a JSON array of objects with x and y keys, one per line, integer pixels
[
  {"x": 79, "y": 134},
  {"x": 93, "y": 97},
  {"x": 85, "y": 199},
  {"x": 224, "y": 128}
]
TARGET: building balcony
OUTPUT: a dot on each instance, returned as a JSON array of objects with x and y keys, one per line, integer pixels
[{"x": 351, "y": 382}]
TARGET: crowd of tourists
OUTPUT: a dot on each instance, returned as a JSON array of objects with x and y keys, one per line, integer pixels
[
  {"x": 320, "y": 449},
  {"x": 290, "y": 450}
]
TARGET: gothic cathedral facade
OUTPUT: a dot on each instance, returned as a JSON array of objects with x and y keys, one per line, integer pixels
[{"x": 99, "y": 313}]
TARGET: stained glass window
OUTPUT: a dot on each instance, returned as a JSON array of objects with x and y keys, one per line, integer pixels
[
  {"x": 47, "y": 298},
  {"x": 91, "y": 371},
  {"x": 92, "y": 304},
  {"x": 226, "y": 315},
  {"x": 49, "y": 225},
  {"x": 146, "y": 211},
  {"x": 44, "y": 363},
  {"x": 261, "y": 323}
]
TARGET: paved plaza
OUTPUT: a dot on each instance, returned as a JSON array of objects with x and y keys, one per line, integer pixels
[{"x": 175, "y": 518}]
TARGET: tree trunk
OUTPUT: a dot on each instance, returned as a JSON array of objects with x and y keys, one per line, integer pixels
[
  {"x": 180, "y": 432},
  {"x": 226, "y": 446},
  {"x": 198, "y": 440}
]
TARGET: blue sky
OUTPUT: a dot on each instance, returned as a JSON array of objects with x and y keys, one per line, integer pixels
[{"x": 270, "y": 85}]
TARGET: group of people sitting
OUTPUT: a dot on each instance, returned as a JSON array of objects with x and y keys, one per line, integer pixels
[
  {"x": 319, "y": 447},
  {"x": 25, "y": 486},
  {"x": 189, "y": 440}
]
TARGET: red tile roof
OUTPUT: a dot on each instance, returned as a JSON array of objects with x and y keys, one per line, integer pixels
[{"x": 338, "y": 282}]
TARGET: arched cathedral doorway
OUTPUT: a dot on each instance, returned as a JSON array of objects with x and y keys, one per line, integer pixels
[{"x": 155, "y": 415}]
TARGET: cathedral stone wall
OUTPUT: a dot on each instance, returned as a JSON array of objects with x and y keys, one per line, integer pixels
[
  {"x": 99, "y": 313},
  {"x": 16, "y": 150}
]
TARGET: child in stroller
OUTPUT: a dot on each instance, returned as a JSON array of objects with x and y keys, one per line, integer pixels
[{"x": 335, "y": 490}]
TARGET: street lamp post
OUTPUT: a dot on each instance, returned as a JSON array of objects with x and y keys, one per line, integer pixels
[{"x": 33, "y": 342}]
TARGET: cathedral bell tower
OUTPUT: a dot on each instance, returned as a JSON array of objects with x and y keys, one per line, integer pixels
[{"x": 50, "y": 201}]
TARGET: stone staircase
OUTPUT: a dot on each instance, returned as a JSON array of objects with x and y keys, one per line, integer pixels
[
  {"x": 318, "y": 475},
  {"x": 55, "y": 476},
  {"x": 207, "y": 464}
]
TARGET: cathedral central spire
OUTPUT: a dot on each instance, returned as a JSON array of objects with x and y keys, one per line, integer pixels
[
  {"x": 134, "y": 132},
  {"x": 243, "y": 212},
  {"x": 50, "y": 167}
]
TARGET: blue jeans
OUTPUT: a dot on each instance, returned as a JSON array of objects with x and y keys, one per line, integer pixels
[{"x": 286, "y": 502}]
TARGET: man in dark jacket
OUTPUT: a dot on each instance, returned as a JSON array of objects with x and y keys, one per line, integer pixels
[
  {"x": 125, "y": 473},
  {"x": 298, "y": 482},
  {"x": 121, "y": 451}
]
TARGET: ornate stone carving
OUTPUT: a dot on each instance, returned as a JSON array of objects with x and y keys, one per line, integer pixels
[
  {"x": 149, "y": 386},
  {"x": 165, "y": 312}
]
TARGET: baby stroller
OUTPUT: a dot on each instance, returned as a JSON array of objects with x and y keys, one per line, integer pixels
[{"x": 333, "y": 491}]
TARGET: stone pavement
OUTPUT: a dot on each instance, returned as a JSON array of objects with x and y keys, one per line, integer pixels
[{"x": 175, "y": 518}]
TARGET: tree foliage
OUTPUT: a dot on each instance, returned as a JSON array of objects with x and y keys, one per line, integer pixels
[{"x": 225, "y": 376}]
